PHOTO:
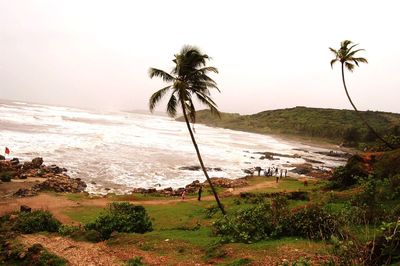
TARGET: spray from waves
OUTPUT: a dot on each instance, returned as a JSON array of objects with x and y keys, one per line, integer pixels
[{"x": 118, "y": 151}]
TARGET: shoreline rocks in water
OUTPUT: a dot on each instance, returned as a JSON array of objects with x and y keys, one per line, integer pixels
[
  {"x": 198, "y": 168},
  {"x": 51, "y": 177}
]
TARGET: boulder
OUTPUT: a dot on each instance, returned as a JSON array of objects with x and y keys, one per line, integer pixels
[
  {"x": 25, "y": 208},
  {"x": 37, "y": 162}
]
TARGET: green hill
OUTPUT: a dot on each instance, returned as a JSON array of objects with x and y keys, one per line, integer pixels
[{"x": 316, "y": 123}]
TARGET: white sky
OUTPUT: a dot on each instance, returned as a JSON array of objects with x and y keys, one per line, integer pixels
[{"x": 271, "y": 54}]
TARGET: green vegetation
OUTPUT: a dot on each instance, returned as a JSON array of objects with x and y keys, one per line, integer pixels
[
  {"x": 36, "y": 221},
  {"x": 121, "y": 217},
  {"x": 332, "y": 125},
  {"x": 189, "y": 78}
]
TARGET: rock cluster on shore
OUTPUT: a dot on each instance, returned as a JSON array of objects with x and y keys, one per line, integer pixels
[
  {"x": 51, "y": 177},
  {"x": 194, "y": 186}
]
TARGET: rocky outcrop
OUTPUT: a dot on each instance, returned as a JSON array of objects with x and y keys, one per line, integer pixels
[
  {"x": 51, "y": 177},
  {"x": 194, "y": 186}
]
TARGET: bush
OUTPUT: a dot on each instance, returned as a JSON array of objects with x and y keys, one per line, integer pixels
[
  {"x": 36, "y": 221},
  {"x": 121, "y": 217},
  {"x": 385, "y": 250},
  {"x": 250, "y": 224},
  {"x": 346, "y": 176},
  {"x": 312, "y": 222},
  {"x": 67, "y": 230}
]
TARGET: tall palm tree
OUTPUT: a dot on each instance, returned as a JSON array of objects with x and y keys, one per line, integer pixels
[
  {"x": 346, "y": 55},
  {"x": 188, "y": 78}
]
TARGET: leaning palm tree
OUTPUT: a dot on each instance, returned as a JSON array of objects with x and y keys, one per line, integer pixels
[
  {"x": 188, "y": 78},
  {"x": 346, "y": 55}
]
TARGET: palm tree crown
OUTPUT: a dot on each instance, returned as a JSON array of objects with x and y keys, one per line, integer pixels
[
  {"x": 188, "y": 78},
  {"x": 346, "y": 55}
]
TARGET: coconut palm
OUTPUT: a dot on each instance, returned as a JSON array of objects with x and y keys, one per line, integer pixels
[
  {"x": 346, "y": 55},
  {"x": 188, "y": 78}
]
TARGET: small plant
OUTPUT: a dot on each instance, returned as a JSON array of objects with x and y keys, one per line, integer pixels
[
  {"x": 211, "y": 211},
  {"x": 36, "y": 221},
  {"x": 121, "y": 217},
  {"x": 67, "y": 230},
  {"x": 300, "y": 262}
]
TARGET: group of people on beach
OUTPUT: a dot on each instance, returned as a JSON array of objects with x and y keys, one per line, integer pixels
[{"x": 275, "y": 171}]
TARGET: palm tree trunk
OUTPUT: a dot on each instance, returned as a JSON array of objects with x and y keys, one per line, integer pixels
[
  {"x": 360, "y": 115},
  {"x": 201, "y": 160}
]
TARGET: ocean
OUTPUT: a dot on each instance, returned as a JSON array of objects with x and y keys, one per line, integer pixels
[{"x": 117, "y": 151}]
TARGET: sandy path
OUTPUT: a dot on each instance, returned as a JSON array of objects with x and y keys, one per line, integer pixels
[{"x": 57, "y": 204}]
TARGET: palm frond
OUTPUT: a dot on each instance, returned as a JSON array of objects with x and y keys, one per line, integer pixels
[
  {"x": 361, "y": 60},
  {"x": 333, "y": 62},
  {"x": 156, "y": 97},
  {"x": 154, "y": 72},
  {"x": 204, "y": 99},
  {"x": 333, "y": 51},
  {"x": 349, "y": 66},
  {"x": 171, "y": 106}
]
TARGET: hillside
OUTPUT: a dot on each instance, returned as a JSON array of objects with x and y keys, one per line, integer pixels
[{"x": 317, "y": 123}]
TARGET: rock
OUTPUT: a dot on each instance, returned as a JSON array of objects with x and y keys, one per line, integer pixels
[
  {"x": 61, "y": 183},
  {"x": 190, "y": 168},
  {"x": 55, "y": 169},
  {"x": 335, "y": 154},
  {"x": 25, "y": 192},
  {"x": 302, "y": 169},
  {"x": 2, "y": 158},
  {"x": 14, "y": 161},
  {"x": 37, "y": 162},
  {"x": 25, "y": 208},
  {"x": 226, "y": 182}
]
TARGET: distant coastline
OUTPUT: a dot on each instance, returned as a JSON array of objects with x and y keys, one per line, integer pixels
[{"x": 323, "y": 126}]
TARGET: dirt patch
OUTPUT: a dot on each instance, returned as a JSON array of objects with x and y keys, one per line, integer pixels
[{"x": 84, "y": 253}]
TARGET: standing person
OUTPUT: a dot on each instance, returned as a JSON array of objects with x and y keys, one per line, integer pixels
[
  {"x": 276, "y": 171},
  {"x": 285, "y": 172},
  {"x": 281, "y": 174},
  {"x": 183, "y": 195},
  {"x": 199, "y": 193}
]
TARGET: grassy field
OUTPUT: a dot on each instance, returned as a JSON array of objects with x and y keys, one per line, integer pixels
[{"x": 183, "y": 231}]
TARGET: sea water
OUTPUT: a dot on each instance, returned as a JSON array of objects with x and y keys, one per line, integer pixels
[{"x": 114, "y": 152}]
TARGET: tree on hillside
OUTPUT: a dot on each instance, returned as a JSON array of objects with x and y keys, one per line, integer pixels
[
  {"x": 188, "y": 78},
  {"x": 346, "y": 55}
]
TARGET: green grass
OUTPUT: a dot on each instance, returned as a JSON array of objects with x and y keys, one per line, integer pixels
[{"x": 83, "y": 214}]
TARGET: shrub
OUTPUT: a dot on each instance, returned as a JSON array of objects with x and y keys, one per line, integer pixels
[
  {"x": 67, "y": 230},
  {"x": 36, "y": 221},
  {"x": 248, "y": 225},
  {"x": 346, "y": 176},
  {"x": 121, "y": 217},
  {"x": 311, "y": 221},
  {"x": 385, "y": 250}
]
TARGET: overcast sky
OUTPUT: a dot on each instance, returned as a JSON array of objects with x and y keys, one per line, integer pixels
[{"x": 270, "y": 54}]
